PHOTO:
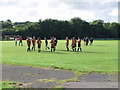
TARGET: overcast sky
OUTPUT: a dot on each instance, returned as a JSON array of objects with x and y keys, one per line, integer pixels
[{"x": 33, "y": 10}]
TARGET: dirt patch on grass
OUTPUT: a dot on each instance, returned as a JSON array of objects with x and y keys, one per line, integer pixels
[{"x": 32, "y": 77}]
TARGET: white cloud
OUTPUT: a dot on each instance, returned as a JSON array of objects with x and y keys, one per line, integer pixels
[
  {"x": 33, "y": 10},
  {"x": 90, "y": 0},
  {"x": 114, "y": 13}
]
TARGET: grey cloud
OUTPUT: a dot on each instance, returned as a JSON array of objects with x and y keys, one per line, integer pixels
[
  {"x": 18, "y": 3},
  {"x": 34, "y": 4},
  {"x": 100, "y": 9},
  {"x": 55, "y": 4},
  {"x": 33, "y": 13},
  {"x": 8, "y": 3},
  {"x": 92, "y": 5}
]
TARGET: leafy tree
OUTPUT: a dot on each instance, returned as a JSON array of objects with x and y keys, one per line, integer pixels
[{"x": 62, "y": 28}]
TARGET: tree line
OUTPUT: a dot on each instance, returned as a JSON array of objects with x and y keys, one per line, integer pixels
[{"x": 61, "y": 28}]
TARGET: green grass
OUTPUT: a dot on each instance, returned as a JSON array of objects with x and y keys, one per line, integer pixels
[
  {"x": 8, "y": 84},
  {"x": 101, "y": 57}
]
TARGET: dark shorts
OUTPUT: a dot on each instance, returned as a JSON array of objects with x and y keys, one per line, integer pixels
[
  {"x": 75, "y": 45},
  {"x": 79, "y": 45},
  {"x": 55, "y": 44},
  {"x": 86, "y": 43},
  {"x": 29, "y": 46},
  {"x": 39, "y": 46},
  {"x": 33, "y": 44},
  {"x": 20, "y": 41},
  {"x": 67, "y": 45},
  {"x": 91, "y": 41},
  {"x": 52, "y": 47},
  {"x": 46, "y": 44}
]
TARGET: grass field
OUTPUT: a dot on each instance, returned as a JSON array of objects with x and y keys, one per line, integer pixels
[{"x": 101, "y": 57}]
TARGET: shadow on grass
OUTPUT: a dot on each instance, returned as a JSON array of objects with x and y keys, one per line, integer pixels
[
  {"x": 83, "y": 51},
  {"x": 93, "y": 52},
  {"x": 65, "y": 50},
  {"x": 54, "y": 52}
]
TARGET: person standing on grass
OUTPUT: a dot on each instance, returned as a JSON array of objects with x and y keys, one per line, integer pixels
[
  {"x": 73, "y": 44},
  {"x": 52, "y": 44},
  {"x": 20, "y": 41},
  {"x": 87, "y": 41},
  {"x": 39, "y": 44},
  {"x": 84, "y": 39},
  {"x": 56, "y": 41},
  {"x": 91, "y": 41},
  {"x": 33, "y": 43},
  {"x": 29, "y": 44},
  {"x": 46, "y": 43},
  {"x": 16, "y": 39},
  {"x": 79, "y": 44},
  {"x": 67, "y": 43}
]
